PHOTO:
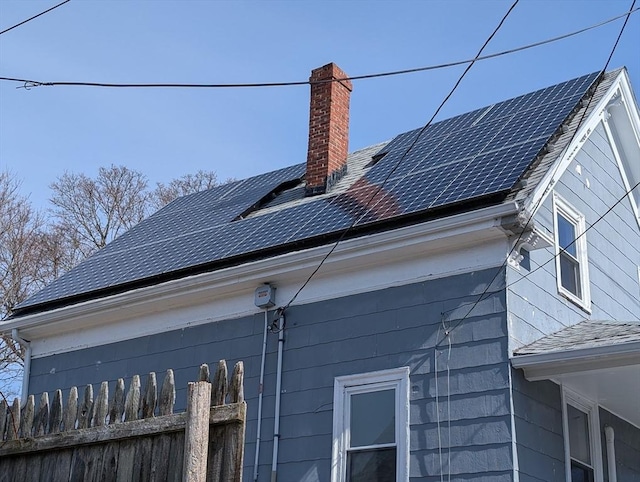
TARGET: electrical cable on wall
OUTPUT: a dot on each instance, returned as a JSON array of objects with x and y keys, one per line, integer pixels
[{"x": 30, "y": 83}]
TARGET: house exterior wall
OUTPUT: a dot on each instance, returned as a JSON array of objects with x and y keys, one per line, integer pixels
[
  {"x": 591, "y": 184},
  {"x": 627, "y": 447},
  {"x": 537, "y": 409},
  {"x": 381, "y": 329}
]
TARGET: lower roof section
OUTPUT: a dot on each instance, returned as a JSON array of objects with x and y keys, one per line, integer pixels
[{"x": 598, "y": 359}]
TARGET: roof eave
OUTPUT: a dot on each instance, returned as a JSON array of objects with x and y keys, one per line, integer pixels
[
  {"x": 544, "y": 366},
  {"x": 451, "y": 215},
  {"x": 438, "y": 230}
]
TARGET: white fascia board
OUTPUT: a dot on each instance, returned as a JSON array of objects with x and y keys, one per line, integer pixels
[
  {"x": 555, "y": 172},
  {"x": 452, "y": 245},
  {"x": 544, "y": 366}
]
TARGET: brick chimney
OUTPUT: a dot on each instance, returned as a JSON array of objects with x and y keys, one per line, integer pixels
[{"x": 328, "y": 128}]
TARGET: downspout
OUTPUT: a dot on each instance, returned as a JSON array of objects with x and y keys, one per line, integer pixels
[
  {"x": 27, "y": 363},
  {"x": 260, "y": 392},
  {"x": 611, "y": 453},
  {"x": 276, "y": 423}
]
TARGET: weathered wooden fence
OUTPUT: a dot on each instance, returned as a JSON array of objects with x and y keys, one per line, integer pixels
[{"x": 132, "y": 437}]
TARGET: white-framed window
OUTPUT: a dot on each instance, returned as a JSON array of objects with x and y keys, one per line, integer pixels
[
  {"x": 572, "y": 271},
  {"x": 582, "y": 444},
  {"x": 371, "y": 427}
]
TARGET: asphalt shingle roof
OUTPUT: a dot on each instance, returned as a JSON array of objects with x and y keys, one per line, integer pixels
[{"x": 586, "y": 334}]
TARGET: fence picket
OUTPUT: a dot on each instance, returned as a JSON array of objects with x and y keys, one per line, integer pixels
[
  {"x": 71, "y": 410},
  {"x": 204, "y": 374},
  {"x": 236, "y": 386},
  {"x": 167, "y": 394},
  {"x": 26, "y": 418},
  {"x": 55, "y": 414},
  {"x": 117, "y": 405},
  {"x": 150, "y": 396},
  {"x": 41, "y": 421},
  {"x": 101, "y": 406},
  {"x": 219, "y": 384},
  {"x": 132, "y": 401},
  {"x": 3, "y": 417},
  {"x": 13, "y": 420},
  {"x": 85, "y": 409}
]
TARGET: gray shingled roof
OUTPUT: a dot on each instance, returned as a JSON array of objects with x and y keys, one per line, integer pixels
[
  {"x": 584, "y": 335},
  {"x": 467, "y": 162}
]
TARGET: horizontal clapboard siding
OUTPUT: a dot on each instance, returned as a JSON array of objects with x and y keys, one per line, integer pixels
[
  {"x": 356, "y": 334},
  {"x": 592, "y": 184}
]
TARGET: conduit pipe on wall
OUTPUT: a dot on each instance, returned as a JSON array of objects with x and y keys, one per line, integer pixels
[
  {"x": 276, "y": 422},
  {"x": 609, "y": 436},
  {"x": 260, "y": 392},
  {"x": 27, "y": 363}
]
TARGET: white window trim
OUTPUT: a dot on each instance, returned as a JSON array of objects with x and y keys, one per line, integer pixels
[
  {"x": 397, "y": 378},
  {"x": 560, "y": 206},
  {"x": 591, "y": 409}
]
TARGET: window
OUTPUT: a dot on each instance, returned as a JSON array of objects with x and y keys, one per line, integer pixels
[
  {"x": 371, "y": 427},
  {"x": 571, "y": 253},
  {"x": 582, "y": 440}
]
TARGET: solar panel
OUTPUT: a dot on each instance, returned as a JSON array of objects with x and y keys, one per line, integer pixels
[{"x": 480, "y": 153}]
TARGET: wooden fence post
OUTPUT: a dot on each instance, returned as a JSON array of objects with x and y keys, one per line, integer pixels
[{"x": 196, "y": 438}]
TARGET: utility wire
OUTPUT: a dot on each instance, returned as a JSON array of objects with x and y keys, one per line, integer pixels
[
  {"x": 563, "y": 250},
  {"x": 395, "y": 167},
  {"x": 540, "y": 266},
  {"x": 504, "y": 263},
  {"x": 30, "y": 83},
  {"x": 35, "y": 16}
]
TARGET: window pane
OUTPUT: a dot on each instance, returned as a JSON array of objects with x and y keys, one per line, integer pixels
[
  {"x": 579, "y": 444},
  {"x": 377, "y": 465},
  {"x": 373, "y": 418},
  {"x": 580, "y": 473},
  {"x": 567, "y": 235},
  {"x": 570, "y": 275}
]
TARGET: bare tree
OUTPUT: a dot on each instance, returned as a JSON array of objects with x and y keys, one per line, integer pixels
[
  {"x": 21, "y": 268},
  {"x": 88, "y": 213},
  {"x": 187, "y": 184},
  {"x": 93, "y": 212}
]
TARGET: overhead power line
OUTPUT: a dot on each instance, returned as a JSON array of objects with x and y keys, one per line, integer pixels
[
  {"x": 30, "y": 83},
  {"x": 395, "y": 167},
  {"x": 504, "y": 263},
  {"x": 34, "y": 17}
]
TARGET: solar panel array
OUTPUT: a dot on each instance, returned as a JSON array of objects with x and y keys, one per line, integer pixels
[{"x": 472, "y": 155}]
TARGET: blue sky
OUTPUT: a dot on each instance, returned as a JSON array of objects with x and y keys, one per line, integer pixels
[{"x": 169, "y": 132}]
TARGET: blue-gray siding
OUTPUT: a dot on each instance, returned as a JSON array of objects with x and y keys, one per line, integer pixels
[
  {"x": 613, "y": 250},
  {"x": 627, "y": 447},
  {"x": 537, "y": 408},
  {"x": 535, "y": 307},
  {"x": 356, "y": 334}
]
